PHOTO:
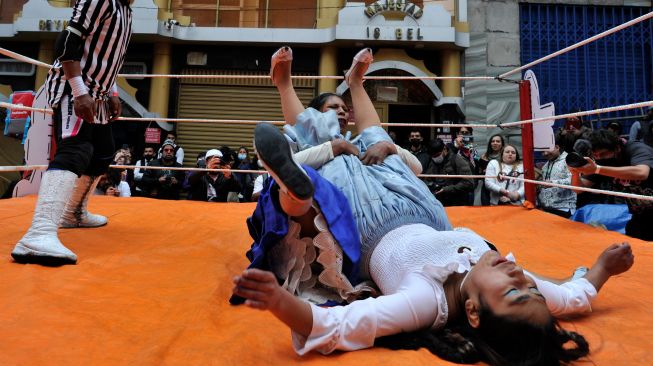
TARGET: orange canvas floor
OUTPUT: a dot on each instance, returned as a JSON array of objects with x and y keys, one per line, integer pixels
[{"x": 151, "y": 288}]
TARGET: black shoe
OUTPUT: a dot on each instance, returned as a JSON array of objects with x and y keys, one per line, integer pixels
[{"x": 274, "y": 151}]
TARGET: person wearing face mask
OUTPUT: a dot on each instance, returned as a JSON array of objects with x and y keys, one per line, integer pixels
[
  {"x": 246, "y": 180},
  {"x": 558, "y": 201},
  {"x": 417, "y": 147},
  {"x": 450, "y": 192},
  {"x": 627, "y": 168},
  {"x": 162, "y": 183},
  {"x": 463, "y": 145}
]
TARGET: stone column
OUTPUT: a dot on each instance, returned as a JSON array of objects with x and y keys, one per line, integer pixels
[
  {"x": 160, "y": 89},
  {"x": 451, "y": 67},
  {"x": 328, "y": 66}
]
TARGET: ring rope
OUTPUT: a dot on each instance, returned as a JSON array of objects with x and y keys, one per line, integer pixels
[
  {"x": 579, "y": 44},
  {"x": 32, "y": 61},
  {"x": 453, "y": 125},
  {"x": 428, "y": 176}
]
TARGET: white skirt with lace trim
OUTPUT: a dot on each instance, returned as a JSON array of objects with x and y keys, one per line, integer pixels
[{"x": 311, "y": 268}]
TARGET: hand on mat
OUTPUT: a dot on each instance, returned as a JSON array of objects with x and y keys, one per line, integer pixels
[
  {"x": 377, "y": 153},
  {"x": 341, "y": 146},
  {"x": 115, "y": 107},
  {"x": 616, "y": 259},
  {"x": 85, "y": 107},
  {"x": 260, "y": 288}
]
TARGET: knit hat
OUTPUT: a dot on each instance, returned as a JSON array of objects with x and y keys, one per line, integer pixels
[{"x": 168, "y": 142}]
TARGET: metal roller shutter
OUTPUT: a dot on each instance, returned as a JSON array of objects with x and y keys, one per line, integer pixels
[
  {"x": 248, "y": 102},
  {"x": 611, "y": 71}
]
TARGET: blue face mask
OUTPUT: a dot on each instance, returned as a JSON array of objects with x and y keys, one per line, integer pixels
[{"x": 242, "y": 156}]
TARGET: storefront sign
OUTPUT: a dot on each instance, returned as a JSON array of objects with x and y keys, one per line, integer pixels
[
  {"x": 52, "y": 25},
  {"x": 407, "y": 34},
  {"x": 152, "y": 135},
  {"x": 402, "y": 6}
]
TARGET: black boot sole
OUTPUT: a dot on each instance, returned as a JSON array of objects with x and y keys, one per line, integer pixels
[
  {"x": 274, "y": 150},
  {"x": 42, "y": 260}
]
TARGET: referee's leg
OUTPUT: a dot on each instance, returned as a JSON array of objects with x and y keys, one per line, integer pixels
[
  {"x": 74, "y": 150},
  {"x": 76, "y": 212}
]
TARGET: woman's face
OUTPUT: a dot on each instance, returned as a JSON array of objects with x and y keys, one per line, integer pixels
[
  {"x": 496, "y": 144},
  {"x": 509, "y": 155},
  {"x": 505, "y": 289},
  {"x": 242, "y": 151},
  {"x": 342, "y": 111}
]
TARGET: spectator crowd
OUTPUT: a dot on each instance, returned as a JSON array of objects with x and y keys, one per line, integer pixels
[{"x": 615, "y": 161}]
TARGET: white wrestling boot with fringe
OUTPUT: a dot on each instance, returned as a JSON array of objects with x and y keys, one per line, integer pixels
[
  {"x": 76, "y": 213},
  {"x": 40, "y": 244}
]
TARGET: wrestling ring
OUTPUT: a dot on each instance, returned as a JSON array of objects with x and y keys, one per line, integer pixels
[{"x": 152, "y": 286}]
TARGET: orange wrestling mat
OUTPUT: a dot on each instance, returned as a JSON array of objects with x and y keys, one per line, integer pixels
[{"x": 151, "y": 288}]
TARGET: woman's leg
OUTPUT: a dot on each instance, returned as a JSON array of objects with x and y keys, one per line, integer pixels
[
  {"x": 280, "y": 74},
  {"x": 294, "y": 207},
  {"x": 366, "y": 115}
]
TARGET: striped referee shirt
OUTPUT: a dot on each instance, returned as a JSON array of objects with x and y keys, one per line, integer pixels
[{"x": 105, "y": 27}]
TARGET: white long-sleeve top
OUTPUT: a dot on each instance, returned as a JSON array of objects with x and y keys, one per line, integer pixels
[
  {"x": 317, "y": 156},
  {"x": 414, "y": 296},
  {"x": 495, "y": 186}
]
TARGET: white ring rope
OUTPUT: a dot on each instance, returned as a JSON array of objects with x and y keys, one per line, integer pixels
[
  {"x": 580, "y": 114},
  {"x": 585, "y": 189},
  {"x": 428, "y": 176},
  {"x": 471, "y": 125},
  {"x": 579, "y": 44},
  {"x": 32, "y": 61}
]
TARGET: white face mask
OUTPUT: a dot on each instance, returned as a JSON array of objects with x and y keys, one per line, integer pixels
[{"x": 438, "y": 160}]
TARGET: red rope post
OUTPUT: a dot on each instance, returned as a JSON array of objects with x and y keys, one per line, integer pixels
[{"x": 527, "y": 139}]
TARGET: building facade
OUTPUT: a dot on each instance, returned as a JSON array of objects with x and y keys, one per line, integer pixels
[{"x": 199, "y": 37}]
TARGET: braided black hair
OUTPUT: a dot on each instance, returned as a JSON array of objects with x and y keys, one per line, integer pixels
[{"x": 497, "y": 341}]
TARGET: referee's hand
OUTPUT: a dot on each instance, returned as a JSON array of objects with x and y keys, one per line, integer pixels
[
  {"x": 115, "y": 107},
  {"x": 85, "y": 108}
]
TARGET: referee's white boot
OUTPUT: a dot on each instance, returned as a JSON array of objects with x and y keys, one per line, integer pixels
[
  {"x": 76, "y": 213},
  {"x": 40, "y": 244}
]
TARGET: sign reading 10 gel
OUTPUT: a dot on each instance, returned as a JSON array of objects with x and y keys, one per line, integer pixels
[{"x": 395, "y": 6}]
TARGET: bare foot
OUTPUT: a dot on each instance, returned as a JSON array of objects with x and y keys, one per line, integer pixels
[
  {"x": 359, "y": 66},
  {"x": 281, "y": 66}
]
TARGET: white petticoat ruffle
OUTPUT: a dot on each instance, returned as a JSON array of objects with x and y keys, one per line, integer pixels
[{"x": 312, "y": 267}]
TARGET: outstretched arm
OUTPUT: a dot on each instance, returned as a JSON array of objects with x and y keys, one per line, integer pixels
[
  {"x": 616, "y": 259},
  {"x": 576, "y": 296},
  {"x": 263, "y": 292},
  {"x": 347, "y": 328}
]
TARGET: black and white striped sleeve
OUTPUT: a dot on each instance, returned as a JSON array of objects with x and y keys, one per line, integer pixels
[{"x": 88, "y": 16}]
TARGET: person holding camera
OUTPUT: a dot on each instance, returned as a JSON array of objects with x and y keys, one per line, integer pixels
[
  {"x": 450, "y": 192},
  {"x": 163, "y": 183},
  {"x": 213, "y": 186}
]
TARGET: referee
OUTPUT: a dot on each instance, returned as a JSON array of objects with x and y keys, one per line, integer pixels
[{"x": 81, "y": 90}]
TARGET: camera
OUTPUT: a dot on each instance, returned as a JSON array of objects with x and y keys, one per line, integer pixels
[
  {"x": 201, "y": 163},
  {"x": 168, "y": 179}
]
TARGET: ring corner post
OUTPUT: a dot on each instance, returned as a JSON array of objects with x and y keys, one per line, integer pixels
[{"x": 526, "y": 113}]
